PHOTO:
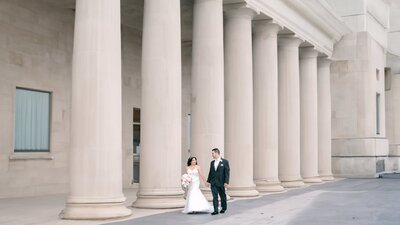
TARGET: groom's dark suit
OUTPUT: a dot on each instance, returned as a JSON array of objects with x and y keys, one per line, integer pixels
[{"x": 217, "y": 178}]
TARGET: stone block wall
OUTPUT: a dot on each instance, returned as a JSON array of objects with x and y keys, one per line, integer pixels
[
  {"x": 36, "y": 46},
  {"x": 358, "y": 143},
  {"x": 35, "y": 52}
]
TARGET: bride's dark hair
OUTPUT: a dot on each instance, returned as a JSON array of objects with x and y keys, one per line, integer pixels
[{"x": 190, "y": 160}]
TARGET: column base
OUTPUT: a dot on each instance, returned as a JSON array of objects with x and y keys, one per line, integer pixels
[
  {"x": 327, "y": 177},
  {"x": 94, "y": 211},
  {"x": 243, "y": 192},
  {"x": 292, "y": 184},
  {"x": 268, "y": 186},
  {"x": 159, "y": 201},
  {"x": 312, "y": 180}
]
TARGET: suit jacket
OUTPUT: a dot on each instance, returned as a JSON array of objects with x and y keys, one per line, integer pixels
[{"x": 221, "y": 175}]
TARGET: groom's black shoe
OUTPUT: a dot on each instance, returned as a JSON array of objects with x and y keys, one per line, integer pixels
[
  {"x": 214, "y": 213},
  {"x": 222, "y": 211}
]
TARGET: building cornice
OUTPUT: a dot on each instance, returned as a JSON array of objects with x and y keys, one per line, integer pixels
[{"x": 311, "y": 20}]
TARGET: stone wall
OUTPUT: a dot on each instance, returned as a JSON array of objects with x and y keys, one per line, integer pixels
[
  {"x": 394, "y": 30},
  {"x": 364, "y": 15},
  {"x": 186, "y": 101},
  {"x": 393, "y": 123},
  {"x": 357, "y": 76},
  {"x": 186, "y": 36},
  {"x": 36, "y": 45},
  {"x": 35, "y": 52},
  {"x": 131, "y": 95}
]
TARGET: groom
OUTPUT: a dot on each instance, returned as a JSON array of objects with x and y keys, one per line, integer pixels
[{"x": 218, "y": 177}]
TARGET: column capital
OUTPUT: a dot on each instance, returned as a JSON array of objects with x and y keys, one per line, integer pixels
[
  {"x": 324, "y": 61},
  {"x": 290, "y": 40},
  {"x": 267, "y": 26},
  {"x": 308, "y": 52},
  {"x": 239, "y": 10}
]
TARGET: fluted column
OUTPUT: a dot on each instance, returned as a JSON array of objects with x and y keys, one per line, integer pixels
[
  {"x": 324, "y": 120},
  {"x": 289, "y": 111},
  {"x": 160, "y": 167},
  {"x": 309, "y": 115},
  {"x": 239, "y": 100},
  {"x": 265, "y": 65},
  {"x": 207, "y": 80},
  {"x": 96, "y": 148}
]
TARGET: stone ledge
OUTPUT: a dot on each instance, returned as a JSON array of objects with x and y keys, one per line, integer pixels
[
  {"x": 360, "y": 147},
  {"x": 357, "y": 167},
  {"x": 31, "y": 156}
]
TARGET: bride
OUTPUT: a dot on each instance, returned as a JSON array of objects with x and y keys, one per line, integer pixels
[{"x": 195, "y": 200}]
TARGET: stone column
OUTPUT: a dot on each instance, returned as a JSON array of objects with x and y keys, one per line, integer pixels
[
  {"x": 160, "y": 168},
  {"x": 96, "y": 148},
  {"x": 207, "y": 111},
  {"x": 265, "y": 65},
  {"x": 239, "y": 100},
  {"x": 324, "y": 120},
  {"x": 309, "y": 115},
  {"x": 289, "y": 111}
]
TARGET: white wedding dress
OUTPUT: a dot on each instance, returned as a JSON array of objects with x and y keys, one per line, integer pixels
[{"x": 195, "y": 200}]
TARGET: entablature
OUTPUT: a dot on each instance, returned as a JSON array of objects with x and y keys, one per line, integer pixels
[{"x": 311, "y": 20}]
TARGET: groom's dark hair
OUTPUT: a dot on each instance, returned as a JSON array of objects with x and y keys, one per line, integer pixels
[{"x": 216, "y": 150}]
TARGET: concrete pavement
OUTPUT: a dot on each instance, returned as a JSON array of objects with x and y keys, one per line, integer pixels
[{"x": 348, "y": 201}]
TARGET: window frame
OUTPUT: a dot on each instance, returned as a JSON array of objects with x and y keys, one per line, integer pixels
[
  {"x": 136, "y": 154},
  {"x": 378, "y": 113},
  {"x": 31, "y": 151}
]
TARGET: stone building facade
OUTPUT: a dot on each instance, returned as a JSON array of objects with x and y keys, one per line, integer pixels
[{"x": 292, "y": 92}]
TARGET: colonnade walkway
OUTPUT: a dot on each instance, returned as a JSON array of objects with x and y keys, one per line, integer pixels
[{"x": 346, "y": 201}]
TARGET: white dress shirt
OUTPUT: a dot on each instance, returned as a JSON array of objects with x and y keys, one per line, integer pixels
[{"x": 216, "y": 162}]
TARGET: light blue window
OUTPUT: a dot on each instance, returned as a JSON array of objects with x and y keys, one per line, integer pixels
[{"x": 32, "y": 121}]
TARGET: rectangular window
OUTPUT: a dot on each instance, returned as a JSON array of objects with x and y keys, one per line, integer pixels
[
  {"x": 136, "y": 145},
  {"x": 378, "y": 103},
  {"x": 377, "y": 74},
  {"x": 388, "y": 78},
  {"x": 136, "y": 130},
  {"x": 32, "y": 121}
]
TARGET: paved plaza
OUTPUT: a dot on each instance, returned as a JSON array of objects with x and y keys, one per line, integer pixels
[{"x": 348, "y": 201}]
